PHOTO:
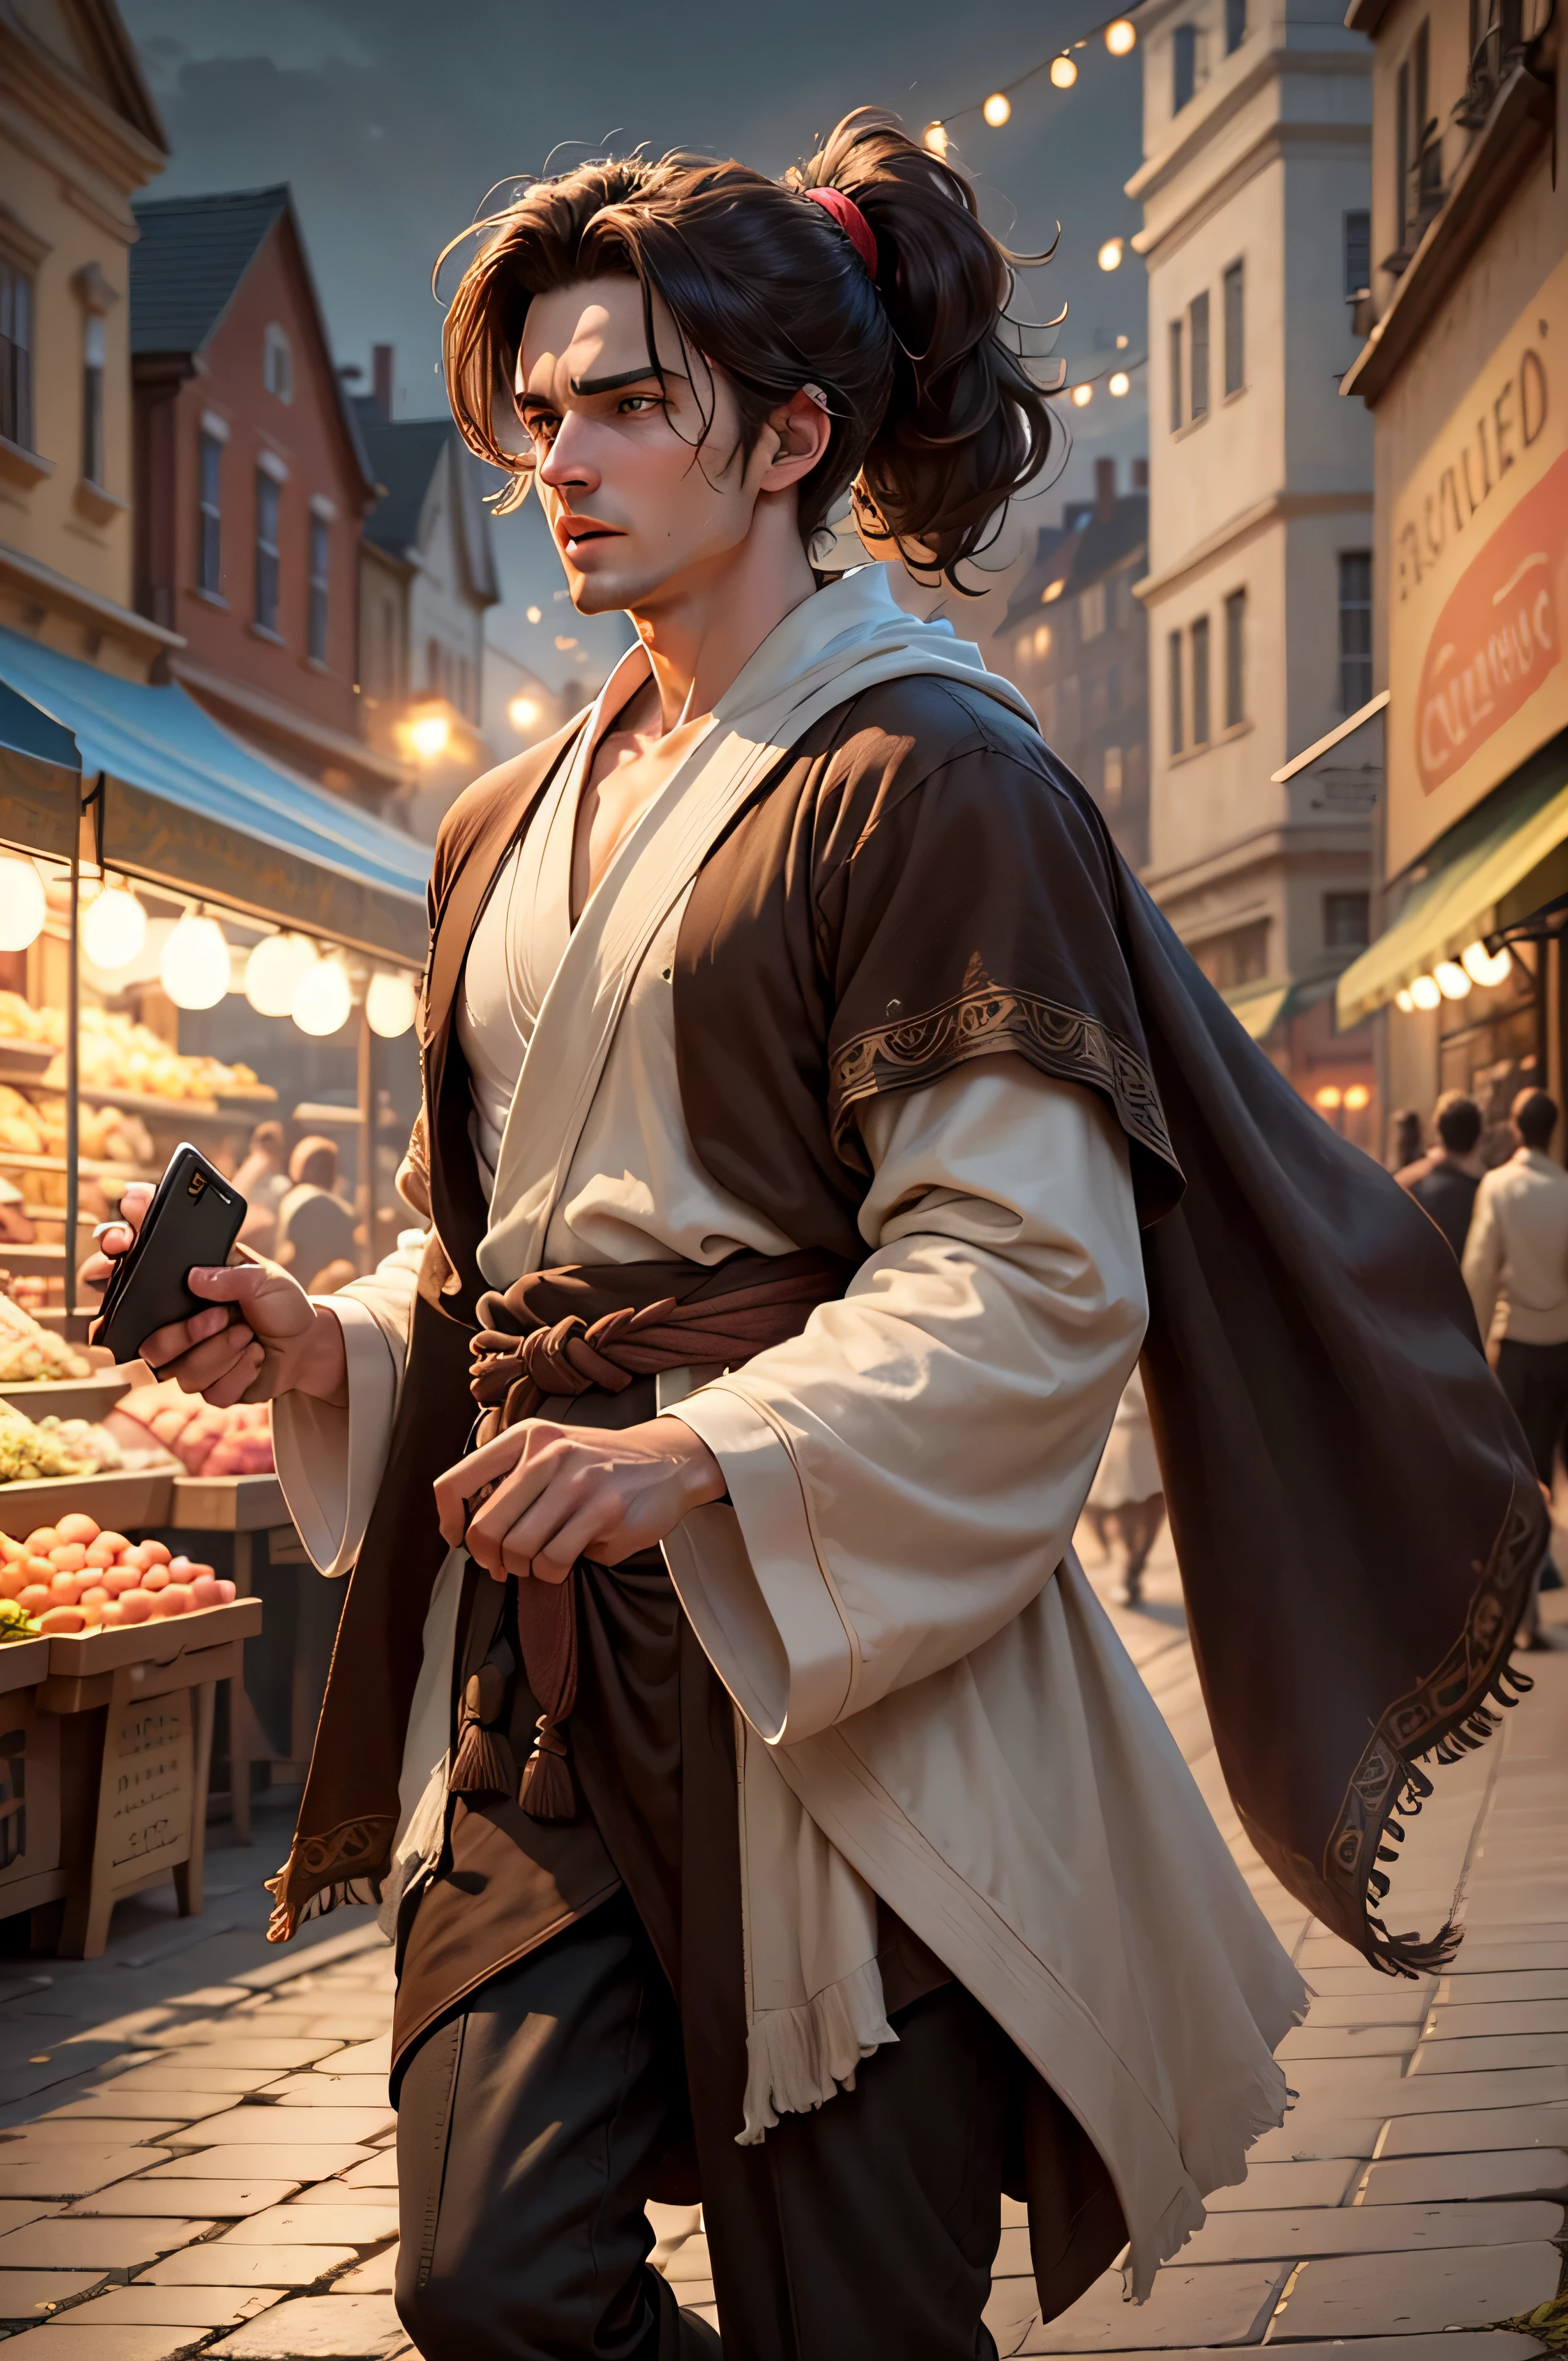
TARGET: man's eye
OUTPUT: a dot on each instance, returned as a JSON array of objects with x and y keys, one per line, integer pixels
[
  {"x": 631, "y": 402},
  {"x": 541, "y": 428}
]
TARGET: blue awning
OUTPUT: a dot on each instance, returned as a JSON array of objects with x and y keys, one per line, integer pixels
[
  {"x": 187, "y": 805},
  {"x": 40, "y": 779}
]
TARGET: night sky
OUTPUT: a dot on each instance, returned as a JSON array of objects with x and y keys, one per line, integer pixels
[{"x": 392, "y": 121}]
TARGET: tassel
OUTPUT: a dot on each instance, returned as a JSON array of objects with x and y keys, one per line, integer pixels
[
  {"x": 547, "y": 1793},
  {"x": 485, "y": 1765}
]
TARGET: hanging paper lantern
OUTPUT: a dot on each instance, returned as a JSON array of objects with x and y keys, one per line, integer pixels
[
  {"x": 272, "y": 972},
  {"x": 22, "y": 905},
  {"x": 194, "y": 968},
  {"x": 114, "y": 928},
  {"x": 390, "y": 1004},
  {"x": 322, "y": 998}
]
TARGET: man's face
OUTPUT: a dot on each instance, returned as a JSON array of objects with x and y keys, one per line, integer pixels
[{"x": 638, "y": 510}]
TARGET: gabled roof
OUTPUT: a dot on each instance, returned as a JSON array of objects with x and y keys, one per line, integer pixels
[
  {"x": 404, "y": 454},
  {"x": 1076, "y": 559},
  {"x": 190, "y": 259}
]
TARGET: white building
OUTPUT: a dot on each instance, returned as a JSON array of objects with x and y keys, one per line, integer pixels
[{"x": 1255, "y": 194}]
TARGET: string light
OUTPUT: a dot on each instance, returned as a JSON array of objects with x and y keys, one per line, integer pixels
[
  {"x": 1403, "y": 1001},
  {"x": 1426, "y": 992},
  {"x": 390, "y": 1004},
  {"x": 522, "y": 713},
  {"x": 322, "y": 997},
  {"x": 194, "y": 967},
  {"x": 997, "y": 109},
  {"x": 935, "y": 137},
  {"x": 23, "y": 906},
  {"x": 1120, "y": 36},
  {"x": 1064, "y": 73},
  {"x": 1451, "y": 980},
  {"x": 1358, "y": 1098},
  {"x": 1119, "y": 383},
  {"x": 1082, "y": 395},
  {"x": 1109, "y": 255},
  {"x": 114, "y": 928},
  {"x": 1487, "y": 970},
  {"x": 428, "y": 735},
  {"x": 272, "y": 972}
]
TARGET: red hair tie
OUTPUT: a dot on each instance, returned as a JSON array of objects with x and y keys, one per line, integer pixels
[{"x": 850, "y": 220}]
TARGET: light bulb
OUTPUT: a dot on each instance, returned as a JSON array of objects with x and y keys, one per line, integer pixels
[
  {"x": 534, "y": 614},
  {"x": 935, "y": 137},
  {"x": 522, "y": 713},
  {"x": 194, "y": 968},
  {"x": 1064, "y": 73},
  {"x": 1109, "y": 255},
  {"x": 1426, "y": 992},
  {"x": 1119, "y": 383},
  {"x": 1484, "y": 967},
  {"x": 22, "y": 903},
  {"x": 273, "y": 971},
  {"x": 997, "y": 109},
  {"x": 1451, "y": 980},
  {"x": 1402, "y": 1001},
  {"x": 322, "y": 998},
  {"x": 389, "y": 1002},
  {"x": 428, "y": 736},
  {"x": 1328, "y": 1098},
  {"x": 114, "y": 928},
  {"x": 1357, "y": 1096},
  {"x": 1121, "y": 37},
  {"x": 1082, "y": 395}
]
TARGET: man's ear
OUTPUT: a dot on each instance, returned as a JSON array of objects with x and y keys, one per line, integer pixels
[{"x": 798, "y": 432}]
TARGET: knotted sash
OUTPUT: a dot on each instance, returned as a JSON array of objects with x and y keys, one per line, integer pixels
[{"x": 551, "y": 1337}]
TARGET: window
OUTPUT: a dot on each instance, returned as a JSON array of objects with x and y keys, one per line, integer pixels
[
  {"x": 1177, "y": 719},
  {"x": 1201, "y": 681},
  {"x": 1233, "y": 286},
  {"x": 433, "y": 667},
  {"x": 93, "y": 399},
  {"x": 1235, "y": 659},
  {"x": 1183, "y": 65},
  {"x": 1112, "y": 779},
  {"x": 1198, "y": 339},
  {"x": 1354, "y": 629},
  {"x": 1418, "y": 151},
  {"x": 278, "y": 364},
  {"x": 209, "y": 516},
  {"x": 1346, "y": 922},
  {"x": 1176, "y": 376},
  {"x": 1357, "y": 256},
  {"x": 315, "y": 610},
  {"x": 1091, "y": 611},
  {"x": 267, "y": 499},
  {"x": 16, "y": 356},
  {"x": 1239, "y": 957},
  {"x": 1235, "y": 24}
]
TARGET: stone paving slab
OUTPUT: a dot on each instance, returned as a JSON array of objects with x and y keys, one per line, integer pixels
[
  {"x": 67, "y": 2170},
  {"x": 179, "y": 2073},
  {"x": 1510, "y": 1954},
  {"x": 1490, "y": 2173},
  {"x": 61, "y": 2341},
  {"x": 68, "y": 2129},
  {"x": 377, "y": 2276},
  {"x": 172, "y": 2307},
  {"x": 1505, "y": 1985},
  {"x": 1308, "y": 2134},
  {"x": 318, "y": 2089},
  {"x": 319, "y": 2226},
  {"x": 1458, "y": 2345},
  {"x": 221, "y": 2265},
  {"x": 1314, "y": 2040},
  {"x": 1327, "y": 2182},
  {"x": 1452, "y": 2021},
  {"x": 335, "y": 2192},
  {"x": 366, "y": 2058},
  {"x": 1493, "y": 2053},
  {"x": 381, "y": 2172},
  {"x": 1481, "y": 2127},
  {"x": 239, "y": 2051},
  {"x": 225, "y": 2199},
  {"x": 345, "y": 2127},
  {"x": 320, "y": 2328},
  {"x": 1368, "y": 2229},
  {"x": 305, "y": 2159},
  {"x": 28, "y": 2297},
  {"x": 16, "y": 2213},
  {"x": 1408, "y": 2005},
  {"x": 113, "y": 2104},
  {"x": 1360, "y": 2295},
  {"x": 117, "y": 2246},
  {"x": 1434, "y": 2092},
  {"x": 1227, "y": 2303}
]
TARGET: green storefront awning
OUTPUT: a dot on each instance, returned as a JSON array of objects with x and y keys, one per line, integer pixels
[
  {"x": 1462, "y": 890},
  {"x": 1258, "y": 1006}
]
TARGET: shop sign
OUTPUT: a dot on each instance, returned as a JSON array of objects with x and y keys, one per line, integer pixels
[{"x": 1476, "y": 671}]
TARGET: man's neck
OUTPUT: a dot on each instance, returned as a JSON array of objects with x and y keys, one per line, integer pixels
[{"x": 702, "y": 631}]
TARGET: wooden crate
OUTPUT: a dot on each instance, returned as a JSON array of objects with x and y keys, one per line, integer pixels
[
  {"x": 227, "y": 1504},
  {"x": 30, "y": 1871},
  {"x": 138, "y": 1704},
  {"x": 121, "y": 1504}
]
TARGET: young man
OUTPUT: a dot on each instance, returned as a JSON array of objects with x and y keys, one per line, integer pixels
[
  {"x": 763, "y": 1805},
  {"x": 1445, "y": 1181}
]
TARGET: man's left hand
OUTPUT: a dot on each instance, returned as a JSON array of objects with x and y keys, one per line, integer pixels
[{"x": 566, "y": 1492}]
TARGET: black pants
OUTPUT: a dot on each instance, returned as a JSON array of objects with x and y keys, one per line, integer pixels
[
  {"x": 531, "y": 2125},
  {"x": 1535, "y": 1379}
]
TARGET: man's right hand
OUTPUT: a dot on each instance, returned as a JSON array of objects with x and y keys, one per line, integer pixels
[{"x": 262, "y": 1337}]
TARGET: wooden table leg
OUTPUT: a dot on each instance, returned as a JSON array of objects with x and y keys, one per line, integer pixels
[
  {"x": 190, "y": 1875},
  {"x": 240, "y": 1717}
]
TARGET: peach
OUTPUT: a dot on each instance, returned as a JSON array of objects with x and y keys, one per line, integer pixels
[
  {"x": 154, "y": 1553},
  {"x": 35, "y": 1596},
  {"x": 113, "y": 1615},
  {"x": 154, "y": 1577},
  {"x": 92, "y": 1609},
  {"x": 65, "y": 1588},
  {"x": 78, "y": 1527},
  {"x": 205, "y": 1590},
  {"x": 97, "y": 1596},
  {"x": 101, "y": 1553},
  {"x": 134, "y": 1606},
  {"x": 69, "y": 1556},
  {"x": 12, "y": 1548},
  {"x": 39, "y": 1569},
  {"x": 41, "y": 1539},
  {"x": 116, "y": 1543},
  {"x": 225, "y": 1591},
  {"x": 176, "y": 1598},
  {"x": 118, "y": 1579},
  {"x": 63, "y": 1619},
  {"x": 12, "y": 1577}
]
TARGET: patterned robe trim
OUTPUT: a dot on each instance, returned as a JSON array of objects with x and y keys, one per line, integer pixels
[
  {"x": 324, "y": 1872},
  {"x": 984, "y": 1018}
]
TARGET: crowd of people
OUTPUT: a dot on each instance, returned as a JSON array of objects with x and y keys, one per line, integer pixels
[{"x": 1502, "y": 1204}]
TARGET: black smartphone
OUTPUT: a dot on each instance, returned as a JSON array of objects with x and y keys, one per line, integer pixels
[{"x": 194, "y": 1218}]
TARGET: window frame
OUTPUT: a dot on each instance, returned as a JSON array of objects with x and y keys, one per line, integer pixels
[
  {"x": 1183, "y": 67},
  {"x": 1233, "y": 327},
  {"x": 1235, "y": 658},
  {"x": 1178, "y": 350},
  {"x": 1202, "y": 658},
  {"x": 94, "y": 361},
  {"x": 209, "y": 513},
  {"x": 1199, "y": 358},
  {"x": 1356, "y": 686},
  {"x": 1235, "y": 25},
  {"x": 18, "y": 312},
  {"x": 1176, "y": 703},
  {"x": 266, "y": 587},
  {"x": 1358, "y": 282}
]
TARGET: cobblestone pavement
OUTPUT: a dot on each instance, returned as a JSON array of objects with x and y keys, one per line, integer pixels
[{"x": 195, "y": 2143}]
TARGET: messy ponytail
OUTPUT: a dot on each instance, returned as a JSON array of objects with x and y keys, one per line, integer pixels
[{"x": 936, "y": 421}]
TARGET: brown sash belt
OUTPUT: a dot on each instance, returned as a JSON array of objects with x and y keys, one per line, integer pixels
[{"x": 555, "y": 1336}]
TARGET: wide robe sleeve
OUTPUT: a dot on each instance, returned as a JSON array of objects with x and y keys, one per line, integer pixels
[{"x": 906, "y": 1475}]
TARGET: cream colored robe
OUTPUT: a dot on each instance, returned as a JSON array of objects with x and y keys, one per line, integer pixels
[{"x": 932, "y": 1705}]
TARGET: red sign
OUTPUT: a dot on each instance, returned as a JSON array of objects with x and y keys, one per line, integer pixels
[{"x": 1499, "y": 636}]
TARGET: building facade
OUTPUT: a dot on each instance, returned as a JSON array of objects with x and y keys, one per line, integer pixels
[
  {"x": 1255, "y": 194},
  {"x": 1466, "y": 318},
  {"x": 427, "y": 582},
  {"x": 1075, "y": 639},
  {"x": 78, "y": 135},
  {"x": 251, "y": 482}
]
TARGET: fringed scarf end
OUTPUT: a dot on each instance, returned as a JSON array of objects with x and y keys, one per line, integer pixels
[{"x": 798, "y": 2059}]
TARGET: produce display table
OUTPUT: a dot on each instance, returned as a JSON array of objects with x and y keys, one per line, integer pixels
[
  {"x": 139, "y": 1750},
  {"x": 91, "y": 1397},
  {"x": 121, "y": 1504},
  {"x": 30, "y": 1871}
]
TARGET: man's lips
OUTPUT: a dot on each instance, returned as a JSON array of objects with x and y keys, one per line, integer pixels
[{"x": 577, "y": 532}]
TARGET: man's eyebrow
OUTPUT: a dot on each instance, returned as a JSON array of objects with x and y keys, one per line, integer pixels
[{"x": 581, "y": 385}]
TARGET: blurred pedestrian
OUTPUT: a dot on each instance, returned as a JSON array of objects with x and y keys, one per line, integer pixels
[
  {"x": 1406, "y": 1139},
  {"x": 315, "y": 1225},
  {"x": 1516, "y": 1266},
  {"x": 1127, "y": 1493},
  {"x": 262, "y": 1180},
  {"x": 1444, "y": 1180}
]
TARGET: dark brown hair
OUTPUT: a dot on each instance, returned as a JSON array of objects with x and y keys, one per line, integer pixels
[{"x": 937, "y": 419}]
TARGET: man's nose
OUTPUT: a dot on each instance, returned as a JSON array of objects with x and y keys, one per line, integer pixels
[{"x": 567, "y": 464}]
